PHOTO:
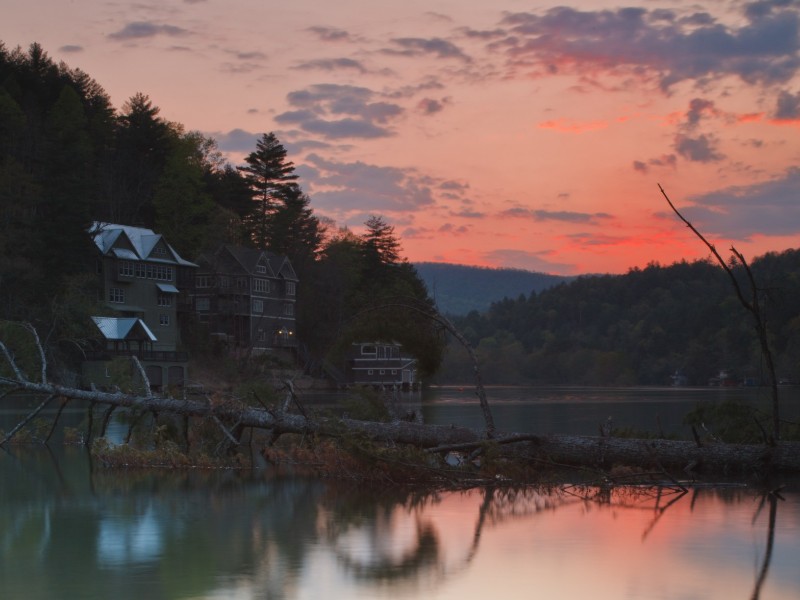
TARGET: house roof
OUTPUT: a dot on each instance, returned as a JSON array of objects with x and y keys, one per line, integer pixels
[
  {"x": 123, "y": 328},
  {"x": 247, "y": 259},
  {"x": 107, "y": 238}
]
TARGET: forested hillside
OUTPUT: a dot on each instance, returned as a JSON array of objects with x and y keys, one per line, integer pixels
[
  {"x": 638, "y": 328},
  {"x": 459, "y": 289},
  {"x": 68, "y": 158}
]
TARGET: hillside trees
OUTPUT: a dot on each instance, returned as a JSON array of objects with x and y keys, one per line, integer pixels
[
  {"x": 68, "y": 158},
  {"x": 640, "y": 327}
]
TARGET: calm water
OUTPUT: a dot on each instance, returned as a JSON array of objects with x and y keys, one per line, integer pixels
[{"x": 68, "y": 530}]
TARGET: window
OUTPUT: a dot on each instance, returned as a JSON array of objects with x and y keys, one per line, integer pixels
[
  {"x": 126, "y": 268},
  {"x": 202, "y": 304},
  {"x": 116, "y": 295},
  {"x": 261, "y": 269},
  {"x": 262, "y": 335},
  {"x": 368, "y": 350},
  {"x": 160, "y": 250},
  {"x": 258, "y": 306},
  {"x": 163, "y": 320},
  {"x": 290, "y": 288},
  {"x": 164, "y": 300},
  {"x": 224, "y": 282},
  {"x": 241, "y": 283},
  {"x": 202, "y": 281},
  {"x": 383, "y": 372},
  {"x": 261, "y": 285},
  {"x": 288, "y": 310},
  {"x": 369, "y": 371},
  {"x": 141, "y": 270}
]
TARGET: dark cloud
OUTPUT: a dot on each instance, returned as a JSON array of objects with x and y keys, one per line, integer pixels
[
  {"x": 332, "y": 64},
  {"x": 331, "y": 34},
  {"x": 469, "y": 214},
  {"x": 771, "y": 208},
  {"x": 698, "y": 108},
  {"x": 453, "y": 229},
  {"x": 702, "y": 148},
  {"x": 483, "y": 34},
  {"x": 236, "y": 140},
  {"x": 319, "y": 108},
  {"x": 70, "y": 49},
  {"x": 667, "y": 160},
  {"x": 346, "y": 187},
  {"x": 146, "y": 29},
  {"x": 438, "y": 47},
  {"x": 596, "y": 239},
  {"x": 255, "y": 55},
  {"x": 788, "y": 106},
  {"x": 564, "y": 216},
  {"x": 430, "y": 106},
  {"x": 762, "y": 48}
]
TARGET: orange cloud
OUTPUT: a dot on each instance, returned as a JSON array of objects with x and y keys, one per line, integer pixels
[{"x": 570, "y": 126}]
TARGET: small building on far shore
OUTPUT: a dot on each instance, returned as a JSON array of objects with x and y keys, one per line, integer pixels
[{"x": 381, "y": 364}]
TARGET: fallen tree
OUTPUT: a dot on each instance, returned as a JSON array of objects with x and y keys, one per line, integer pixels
[{"x": 602, "y": 452}]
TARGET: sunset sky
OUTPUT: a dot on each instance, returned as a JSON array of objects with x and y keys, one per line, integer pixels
[{"x": 508, "y": 133}]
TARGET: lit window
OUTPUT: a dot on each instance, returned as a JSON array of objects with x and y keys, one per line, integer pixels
[{"x": 116, "y": 295}]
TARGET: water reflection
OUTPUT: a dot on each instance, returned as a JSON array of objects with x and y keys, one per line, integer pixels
[{"x": 67, "y": 531}]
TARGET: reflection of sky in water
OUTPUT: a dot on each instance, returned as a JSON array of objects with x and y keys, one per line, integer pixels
[{"x": 122, "y": 539}]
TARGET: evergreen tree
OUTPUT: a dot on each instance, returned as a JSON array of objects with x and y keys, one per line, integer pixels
[
  {"x": 143, "y": 143},
  {"x": 182, "y": 205},
  {"x": 270, "y": 177},
  {"x": 294, "y": 231}
]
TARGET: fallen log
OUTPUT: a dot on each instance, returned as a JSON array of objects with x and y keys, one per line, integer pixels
[{"x": 596, "y": 452}]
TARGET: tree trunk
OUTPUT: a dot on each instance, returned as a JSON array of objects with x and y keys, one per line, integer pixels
[{"x": 596, "y": 452}]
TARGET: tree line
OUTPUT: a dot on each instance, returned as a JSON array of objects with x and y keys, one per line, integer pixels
[
  {"x": 639, "y": 328},
  {"x": 69, "y": 158}
]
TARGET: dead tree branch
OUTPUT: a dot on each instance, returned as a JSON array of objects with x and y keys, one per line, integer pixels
[
  {"x": 31, "y": 415},
  {"x": 752, "y": 305}
]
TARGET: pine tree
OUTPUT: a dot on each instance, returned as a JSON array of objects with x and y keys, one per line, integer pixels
[{"x": 270, "y": 177}]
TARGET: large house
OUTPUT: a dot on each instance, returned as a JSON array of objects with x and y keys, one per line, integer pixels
[
  {"x": 141, "y": 278},
  {"x": 246, "y": 298}
]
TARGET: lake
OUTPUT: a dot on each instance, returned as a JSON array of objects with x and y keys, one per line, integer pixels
[{"x": 69, "y": 529}]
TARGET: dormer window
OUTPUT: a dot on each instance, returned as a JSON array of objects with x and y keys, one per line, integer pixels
[
  {"x": 261, "y": 269},
  {"x": 160, "y": 250}
]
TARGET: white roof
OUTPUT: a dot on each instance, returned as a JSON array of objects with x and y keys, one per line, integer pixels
[
  {"x": 143, "y": 241},
  {"x": 118, "y": 328}
]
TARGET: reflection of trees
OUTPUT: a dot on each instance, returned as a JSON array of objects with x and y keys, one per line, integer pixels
[{"x": 258, "y": 534}]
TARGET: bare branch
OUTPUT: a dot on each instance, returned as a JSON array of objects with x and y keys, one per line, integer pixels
[
  {"x": 39, "y": 347},
  {"x": 752, "y": 306},
  {"x": 148, "y": 391},
  {"x": 12, "y": 363},
  {"x": 27, "y": 419}
]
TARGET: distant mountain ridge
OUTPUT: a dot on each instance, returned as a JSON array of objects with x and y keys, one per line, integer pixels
[{"x": 459, "y": 289}]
